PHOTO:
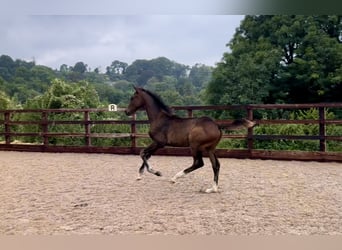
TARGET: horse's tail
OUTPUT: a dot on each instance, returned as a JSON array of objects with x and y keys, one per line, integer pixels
[{"x": 238, "y": 124}]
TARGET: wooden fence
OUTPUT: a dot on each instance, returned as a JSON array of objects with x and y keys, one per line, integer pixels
[{"x": 10, "y": 137}]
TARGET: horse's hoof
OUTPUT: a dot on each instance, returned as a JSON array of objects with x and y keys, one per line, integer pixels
[
  {"x": 173, "y": 181},
  {"x": 138, "y": 178},
  {"x": 158, "y": 173},
  {"x": 214, "y": 189},
  {"x": 210, "y": 190}
]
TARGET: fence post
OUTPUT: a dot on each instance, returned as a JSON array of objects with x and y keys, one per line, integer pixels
[
  {"x": 87, "y": 128},
  {"x": 133, "y": 132},
  {"x": 45, "y": 128},
  {"x": 250, "y": 130},
  {"x": 7, "y": 127},
  {"x": 190, "y": 114},
  {"x": 322, "y": 131}
]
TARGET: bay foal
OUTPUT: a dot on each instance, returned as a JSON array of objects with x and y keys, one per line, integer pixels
[{"x": 200, "y": 134}]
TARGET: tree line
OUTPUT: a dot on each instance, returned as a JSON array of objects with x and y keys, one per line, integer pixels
[{"x": 24, "y": 84}]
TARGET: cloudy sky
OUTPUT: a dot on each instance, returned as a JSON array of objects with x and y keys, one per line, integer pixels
[{"x": 97, "y": 40}]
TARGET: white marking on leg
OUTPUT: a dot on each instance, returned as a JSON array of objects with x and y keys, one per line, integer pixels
[
  {"x": 140, "y": 176},
  {"x": 178, "y": 175},
  {"x": 214, "y": 189}
]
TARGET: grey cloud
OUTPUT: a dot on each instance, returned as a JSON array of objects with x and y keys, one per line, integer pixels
[{"x": 98, "y": 40}]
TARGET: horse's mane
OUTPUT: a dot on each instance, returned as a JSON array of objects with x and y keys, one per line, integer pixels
[{"x": 159, "y": 102}]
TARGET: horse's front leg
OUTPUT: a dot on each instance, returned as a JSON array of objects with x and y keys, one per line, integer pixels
[
  {"x": 145, "y": 154},
  {"x": 141, "y": 171}
]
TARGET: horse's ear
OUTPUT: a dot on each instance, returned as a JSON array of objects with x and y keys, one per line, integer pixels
[{"x": 137, "y": 89}]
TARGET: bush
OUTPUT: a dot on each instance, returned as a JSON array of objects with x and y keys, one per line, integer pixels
[
  {"x": 298, "y": 129},
  {"x": 290, "y": 129}
]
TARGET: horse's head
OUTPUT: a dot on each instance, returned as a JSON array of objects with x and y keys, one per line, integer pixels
[{"x": 137, "y": 102}]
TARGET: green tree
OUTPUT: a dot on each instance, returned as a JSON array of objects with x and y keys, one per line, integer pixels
[
  {"x": 200, "y": 75},
  {"x": 116, "y": 70},
  {"x": 66, "y": 95},
  {"x": 7, "y": 67},
  {"x": 80, "y": 67},
  {"x": 135, "y": 71},
  {"x": 77, "y": 72},
  {"x": 276, "y": 59},
  {"x": 64, "y": 68},
  {"x": 42, "y": 74},
  {"x": 141, "y": 71},
  {"x": 316, "y": 66},
  {"x": 5, "y": 101}
]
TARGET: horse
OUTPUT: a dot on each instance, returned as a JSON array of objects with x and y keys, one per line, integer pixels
[{"x": 166, "y": 129}]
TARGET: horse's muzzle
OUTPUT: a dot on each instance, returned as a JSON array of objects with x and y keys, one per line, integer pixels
[{"x": 127, "y": 112}]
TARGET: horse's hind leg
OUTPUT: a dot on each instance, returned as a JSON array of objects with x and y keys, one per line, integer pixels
[
  {"x": 198, "y": 162},
  {"x": 216, "y": 168}
]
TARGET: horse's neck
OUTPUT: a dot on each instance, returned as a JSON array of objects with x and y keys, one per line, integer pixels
[{"x": 154, "y": 112}]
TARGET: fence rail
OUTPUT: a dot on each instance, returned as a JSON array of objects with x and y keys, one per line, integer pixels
[{"x": 10, "y": 119}]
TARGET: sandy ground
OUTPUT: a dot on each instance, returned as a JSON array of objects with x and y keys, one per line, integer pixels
[{"x": 65, "y": 194}]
